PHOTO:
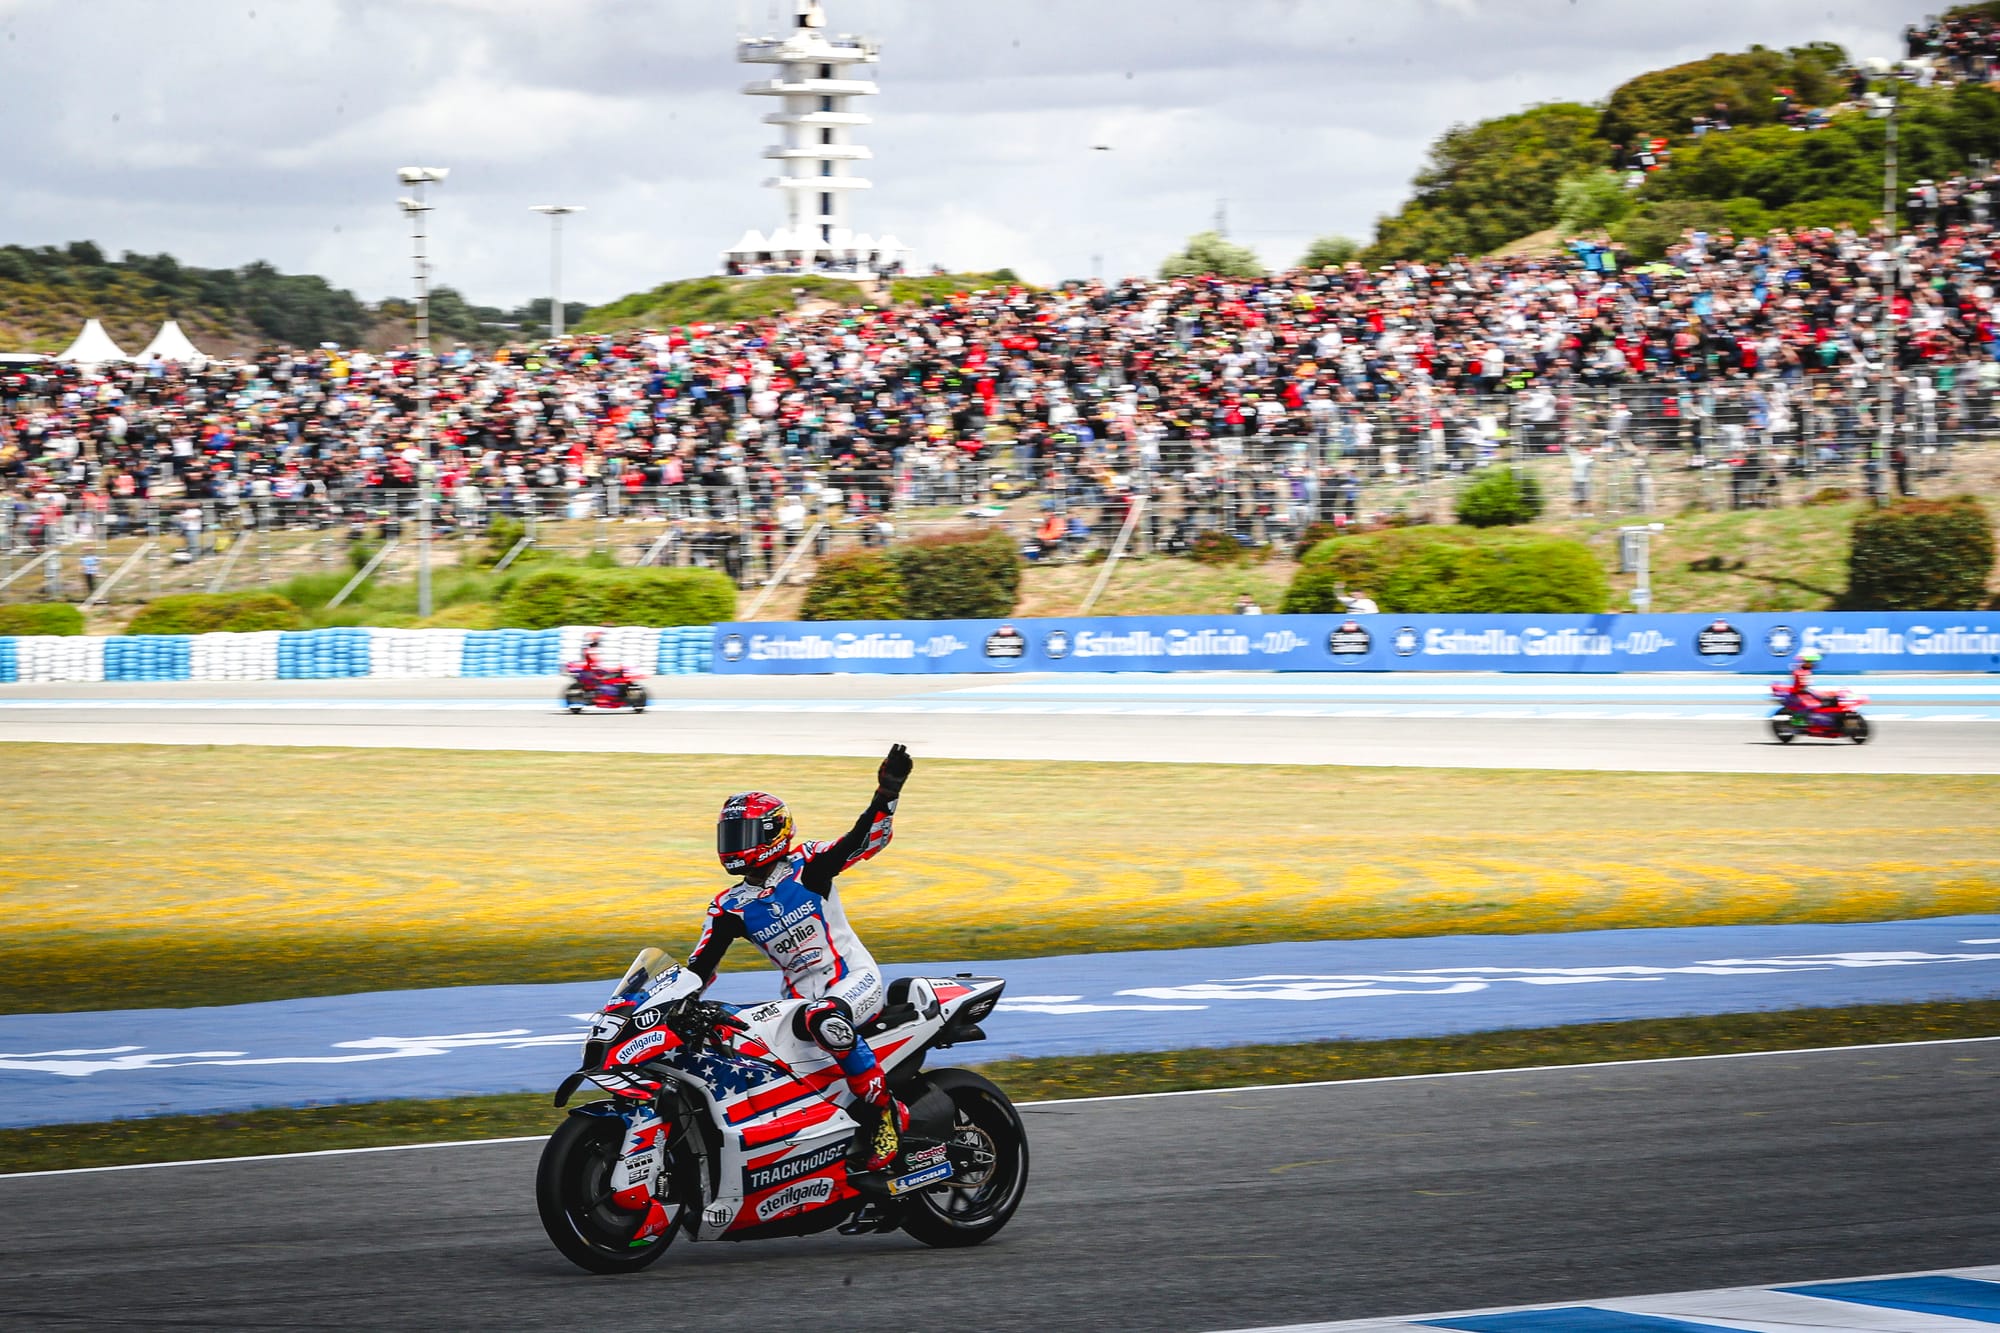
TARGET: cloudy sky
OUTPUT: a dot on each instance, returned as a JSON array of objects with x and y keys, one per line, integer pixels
[{"x": 229, "y": 130}]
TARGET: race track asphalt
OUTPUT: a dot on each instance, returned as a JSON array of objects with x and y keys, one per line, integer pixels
[
  {"x": 1176, "y": 1214},
  {"x": 1697, "y": 725}
]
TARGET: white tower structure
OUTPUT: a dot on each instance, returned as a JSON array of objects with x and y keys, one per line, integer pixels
[{"x": 817, "y": 80}]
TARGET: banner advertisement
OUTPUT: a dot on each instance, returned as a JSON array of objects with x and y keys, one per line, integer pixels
[{"x": 1756, "y": 643}]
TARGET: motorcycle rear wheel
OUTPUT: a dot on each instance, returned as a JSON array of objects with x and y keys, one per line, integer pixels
[
  {"x": 576, "y": 698},
  {"x": 1784, "y": 729},
  {"x": 573, "y": 1196},
  {"x": 973, "y": 1208},
  {"x": 1858, "y": 729},
  {"x": 635, "y": 695}
]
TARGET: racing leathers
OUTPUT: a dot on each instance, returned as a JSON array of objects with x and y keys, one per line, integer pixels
[
  {"x": 1802, "y": 698},
  {"x": 792, "y": 912}
]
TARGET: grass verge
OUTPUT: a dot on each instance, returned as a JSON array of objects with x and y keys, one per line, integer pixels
[
  {"x": 244, "y": 873},
  {"x": 373, "y": 1124}
]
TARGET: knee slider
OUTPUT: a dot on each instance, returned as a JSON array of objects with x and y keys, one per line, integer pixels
[{"x": 829, "y": 1023}]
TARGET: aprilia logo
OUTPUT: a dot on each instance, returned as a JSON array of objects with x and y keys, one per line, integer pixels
[
  {"x": 817, "y": 1190},
  {"x": 764, "y": 1177}
]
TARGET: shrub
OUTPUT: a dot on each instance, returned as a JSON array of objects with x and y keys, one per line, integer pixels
[
  {"x": 1440, "y": 571},
  {"x": 212, "y": 612},
  {"x": 854, "y": 585},
  {"x": 548, "y": 598},
  {"x": 958, "y": 576},
  {"x": 1921, "y": 555},
  {"x": 1830, "y": 495},
  {"x": 1212, "y": 546},
  {"x": 41, "y": 618},
  {"x": 1501, "y": 497}
]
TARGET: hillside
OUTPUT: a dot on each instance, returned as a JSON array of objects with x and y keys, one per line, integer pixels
[
  {"x": 47, "y": 292},
  {"x": 1564, "y": 166}
]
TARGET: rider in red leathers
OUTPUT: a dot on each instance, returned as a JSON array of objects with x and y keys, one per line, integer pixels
[
  {"x": 786, "y": 905},
  {"x": 591, "y": 668},
  {"x": 1803, "y": 699}
]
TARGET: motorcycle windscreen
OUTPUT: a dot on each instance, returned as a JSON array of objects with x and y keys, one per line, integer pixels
[{"x": 649, "y": 965}]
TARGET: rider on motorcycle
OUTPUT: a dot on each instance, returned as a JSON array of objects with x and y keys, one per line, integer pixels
[
  {"x": 787, "y": 906},
  {"x": 1803, "y": 699},
  {"x": 591, "y": 669}
]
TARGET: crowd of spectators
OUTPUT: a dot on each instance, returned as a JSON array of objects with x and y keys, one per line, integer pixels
[
  {"x": 1964, "y": 47},
  {"x": 1268, "y": 403}
]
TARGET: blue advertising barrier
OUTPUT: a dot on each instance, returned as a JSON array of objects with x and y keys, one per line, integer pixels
[{"x": 1753, "y": 643}]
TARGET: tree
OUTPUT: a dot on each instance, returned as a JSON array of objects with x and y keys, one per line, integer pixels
[
  {"x": 1330, "y": 251},
  {"x": 1664, "y": 102},
  {"x": 1590, "y": 200},
  {"x": 1490, "y": 183},
  {"x": 1208, "y": 254}
]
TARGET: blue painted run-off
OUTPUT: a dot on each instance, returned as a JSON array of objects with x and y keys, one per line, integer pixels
[
  {"x": 1933, "y": 1293},
  {"x": 57, "y": 1068},
  {"x": 1574, "y": 1319}
]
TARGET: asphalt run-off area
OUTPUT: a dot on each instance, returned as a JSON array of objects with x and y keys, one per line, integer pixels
[{"x": 1662, "y": 723}]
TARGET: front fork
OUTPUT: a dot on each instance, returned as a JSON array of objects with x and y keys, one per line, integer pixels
[{"x": 635, "y": 1180}]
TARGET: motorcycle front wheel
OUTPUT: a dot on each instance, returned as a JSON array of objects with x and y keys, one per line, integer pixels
[
  {"x": 1858, "y": 729},
  {"x": 573, "y": 1195},
  {"x": 635, "y": 695},
  {"x": 1784, "y": 729},
  {"x": 978, "y": 1202},
  {"x": 576, "y": 698}
]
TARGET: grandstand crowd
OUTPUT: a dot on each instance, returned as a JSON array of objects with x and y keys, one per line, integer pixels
[{"x": 1273, "y": 399}]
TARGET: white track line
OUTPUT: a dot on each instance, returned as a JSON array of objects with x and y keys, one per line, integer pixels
[{"x": 1060, "y": 1101}]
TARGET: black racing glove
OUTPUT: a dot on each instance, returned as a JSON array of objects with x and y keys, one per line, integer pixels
[{"x": 893, "y": 773}]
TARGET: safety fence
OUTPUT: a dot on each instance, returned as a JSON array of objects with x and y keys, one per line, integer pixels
[{"x": 335, "y": 654}]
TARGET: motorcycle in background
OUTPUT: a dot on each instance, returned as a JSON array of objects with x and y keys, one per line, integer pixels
[
  {"x": 611, "y": 687},
  {"x": 1837, "y": 718},
  {"x": 708, "y": 1134}
]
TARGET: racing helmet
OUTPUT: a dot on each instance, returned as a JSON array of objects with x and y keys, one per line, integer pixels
[
  {"x": 1809, "y": 658},
  {"x": 593, "y": 640},
  {"x": 753, "y": 831}
]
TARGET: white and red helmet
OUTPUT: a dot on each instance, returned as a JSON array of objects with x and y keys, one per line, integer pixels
[{"x": 753, "y": 831}]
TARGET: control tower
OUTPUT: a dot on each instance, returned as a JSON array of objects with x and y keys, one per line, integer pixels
[{"x": 817, "y": 78}]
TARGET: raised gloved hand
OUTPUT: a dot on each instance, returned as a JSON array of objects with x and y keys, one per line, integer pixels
[{"x": 894, "y": 772}]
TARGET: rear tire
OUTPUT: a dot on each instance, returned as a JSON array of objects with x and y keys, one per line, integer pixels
[
  {"x": 573, "y": 1195},
  {"x": 972, "y": 1208},
  {"x": 635, "y": 695},
  {"x": 1784, "y": 729},
  {"x": 576, "y": 698},
  {"x": 1858, "y": 729}
]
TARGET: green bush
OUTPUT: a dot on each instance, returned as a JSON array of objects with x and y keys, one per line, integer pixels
[
  {"x": 549, "y": 598},
  {"x": 1452, "y": 571},
  {"x": 1921, "y": 555},
  {"x": 212, "y": 612},
  {"x": 958, "y": 576},
  {"x": 1501, "y": 497},
  {"x": 1213, "y": 546},
  {"x": 854, "y": 585},
  {"x": 41, "y": 618}
]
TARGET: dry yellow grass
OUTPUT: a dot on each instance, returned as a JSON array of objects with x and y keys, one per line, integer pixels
[{"x": 161, "y": 875}]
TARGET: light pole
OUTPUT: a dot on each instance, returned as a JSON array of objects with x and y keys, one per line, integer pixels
[
  {"x": 1636, "y": 557},
  {"x": 413, "y": 204},
  {"x": 556, "y": 213},
  {"x": 1097, "y": 224},
  {"x": 1884, "y": 105}
]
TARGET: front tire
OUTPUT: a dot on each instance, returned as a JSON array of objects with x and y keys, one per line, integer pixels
[
  {"x": 1858, "y": 729},
  {"x": 573, "y": 1195},
  {"x": 974, "y": 1206},
  {"x": 576, "y": 698},
  {"x": 635, "y": 695},
  {"x": 1784, "y": 729}
]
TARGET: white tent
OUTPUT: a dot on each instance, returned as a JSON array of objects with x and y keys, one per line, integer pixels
[
  {"x": 93, "y": 347},
  {"x": 170, "y": 344}
]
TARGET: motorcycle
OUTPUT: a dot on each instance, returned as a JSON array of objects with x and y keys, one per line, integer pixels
[
  {"x": 614, "y": 687},
  {"x": 708, "y": 1134},
  {"x": 1837, "y": 718}
]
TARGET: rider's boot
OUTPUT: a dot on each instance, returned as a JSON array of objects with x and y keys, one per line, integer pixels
[{"x": 883, "y": 1119}]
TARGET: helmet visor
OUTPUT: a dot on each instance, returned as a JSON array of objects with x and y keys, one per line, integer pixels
[{"x": 733, "y": 836}]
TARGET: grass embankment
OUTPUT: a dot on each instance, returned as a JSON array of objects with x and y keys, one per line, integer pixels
[
  {"x": 372, "y": 1124},
  {"x": 246, "y": 873},
  {"x": 1756, "y": 560},
  {"x": 715, "y": 301}
]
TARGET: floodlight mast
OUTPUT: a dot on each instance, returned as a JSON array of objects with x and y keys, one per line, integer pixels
[
  {"x": 413, "y": 204},
  {"x": 556, "y": 213}
]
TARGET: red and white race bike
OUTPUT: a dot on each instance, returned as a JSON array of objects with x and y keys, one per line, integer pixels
[{"x": 708, "y": 1133}]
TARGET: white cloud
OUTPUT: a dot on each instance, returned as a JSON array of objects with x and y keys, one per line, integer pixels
[{"x": 227, "y": 130}]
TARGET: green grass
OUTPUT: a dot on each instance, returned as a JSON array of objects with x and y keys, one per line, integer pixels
[
  {"x": 462, "y": 597},
  {"x": 248, "y": 873},
  {"x": 933, "y": 287},
  {"x": 1153, "y": 587},
  {"x": 1752, "y": 560},
  {"x": 714, "y": 301},
  {"x": 374, "y": 1124}
]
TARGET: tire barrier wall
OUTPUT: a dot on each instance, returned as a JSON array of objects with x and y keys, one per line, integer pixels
[
  {"x": 1750, "y": 643},
  {"x": 336, "y": 654}
]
